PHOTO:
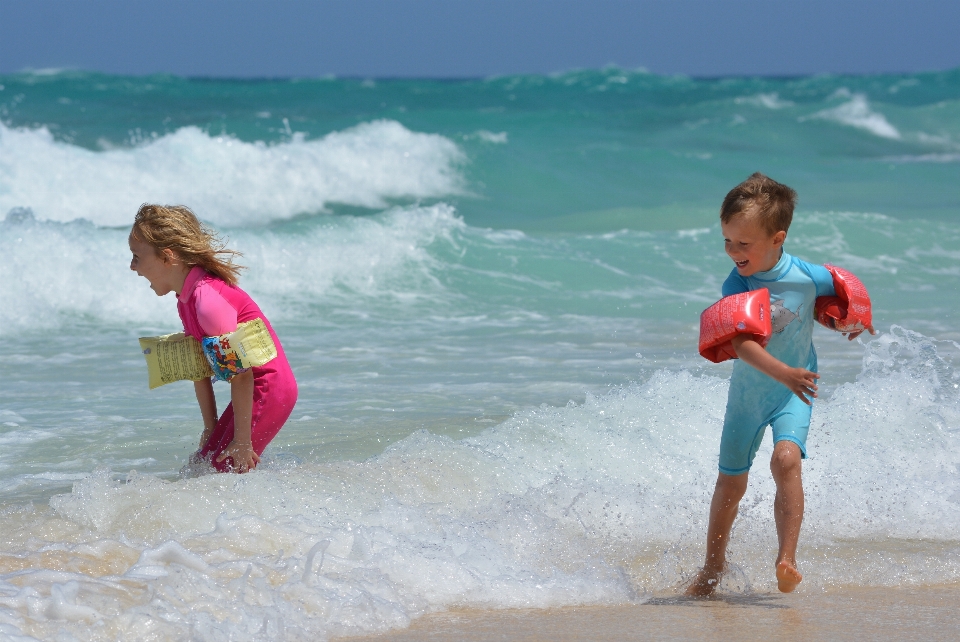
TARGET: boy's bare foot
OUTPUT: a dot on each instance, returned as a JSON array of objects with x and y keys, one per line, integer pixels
[
  {"x": 787, "y": 576},
  {"x": 704, "y": 584}
]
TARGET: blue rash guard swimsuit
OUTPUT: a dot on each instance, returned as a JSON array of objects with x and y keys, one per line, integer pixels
[{"x": 755, "y": 400}]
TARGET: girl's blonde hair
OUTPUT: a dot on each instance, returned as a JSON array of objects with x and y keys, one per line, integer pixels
[{"x": 178, "y": 229}]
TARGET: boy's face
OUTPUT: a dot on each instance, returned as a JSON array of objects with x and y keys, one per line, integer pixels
[{"x": 750, "y": 246}]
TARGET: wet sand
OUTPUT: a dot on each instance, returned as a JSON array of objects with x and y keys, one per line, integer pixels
[{"x": 928, "y": 613}]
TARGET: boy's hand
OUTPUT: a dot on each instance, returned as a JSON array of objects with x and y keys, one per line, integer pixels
[
  {"x": 854, "y": 335},
  {"x": 800, "y": 381}
]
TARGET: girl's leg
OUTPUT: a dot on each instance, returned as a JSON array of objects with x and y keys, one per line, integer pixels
[
  {"x": 268, "y": 420},
  {"x": 723, "y": 511},
  {"x": 788, "y": 511}
]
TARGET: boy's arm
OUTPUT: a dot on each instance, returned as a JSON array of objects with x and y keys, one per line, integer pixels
[
  {"x": 800, "y": 381},
  {"x": 823, "y": 280}
]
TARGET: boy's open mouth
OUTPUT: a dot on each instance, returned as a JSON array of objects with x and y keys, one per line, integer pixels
[{"x": 742, "y": 263}]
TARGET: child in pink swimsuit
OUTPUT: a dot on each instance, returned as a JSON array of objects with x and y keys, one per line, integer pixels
[{"x": 176, "y": 253}]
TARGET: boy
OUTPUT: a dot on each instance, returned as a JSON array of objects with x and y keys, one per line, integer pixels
[{"x": 773, "y": 386}]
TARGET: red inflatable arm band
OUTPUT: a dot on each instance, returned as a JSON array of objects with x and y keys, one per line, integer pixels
[
  {"x": 849, "y": 311},
  {"x": 744, "y": 313}
]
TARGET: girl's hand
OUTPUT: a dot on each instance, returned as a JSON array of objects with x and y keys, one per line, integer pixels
[{"x": 243, "y": 455}]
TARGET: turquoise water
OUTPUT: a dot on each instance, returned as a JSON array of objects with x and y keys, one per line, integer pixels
[{"x": 489, "y": 291}]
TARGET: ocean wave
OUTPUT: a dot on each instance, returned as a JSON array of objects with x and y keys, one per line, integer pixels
[
  {"x": 922, "y": 158},
  {"x": 857, "y": 113},
  {"x": 600, "y": 502},
  {"x": 225, "y": 180},
  {"x": 69, "y": 272},
  {"x": 770, "y": 100},
  {"x": 425, "y": 260}
]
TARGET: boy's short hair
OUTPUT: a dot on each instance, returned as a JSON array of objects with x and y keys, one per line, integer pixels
[{"x": 770, "y": 202}]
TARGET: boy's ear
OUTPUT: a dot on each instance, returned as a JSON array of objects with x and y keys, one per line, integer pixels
[{"x": 779, "y": 237}]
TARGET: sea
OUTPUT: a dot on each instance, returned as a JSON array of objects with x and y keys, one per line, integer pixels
[{"x": 489, "y": 291}]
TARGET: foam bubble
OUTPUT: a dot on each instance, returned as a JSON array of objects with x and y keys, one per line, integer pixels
[{"x": 227, "y": 181}]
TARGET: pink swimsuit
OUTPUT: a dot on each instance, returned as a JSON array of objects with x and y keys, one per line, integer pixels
[{"x": 209, "y": 307}]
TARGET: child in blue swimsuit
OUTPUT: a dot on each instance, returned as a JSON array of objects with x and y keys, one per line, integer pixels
[{"x": 774, "y": 386}]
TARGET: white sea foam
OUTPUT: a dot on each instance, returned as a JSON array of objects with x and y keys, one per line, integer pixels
[
  {"x": 428, "y": 260},
  {"x": 227, "y": 181},
  {"x": 600, "y": 502},
  {"x": 856, "y": 112},
  {"x": 498, "y": 138},
  {"x": 923, "y": 158},
  {"x": 387, "y": 257},
  {"x": 770, "y": 100},
  {"x": 68, "y": 272}
]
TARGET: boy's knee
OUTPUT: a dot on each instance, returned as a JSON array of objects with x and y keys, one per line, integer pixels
[
  {"x": 732, "y": 487},
  {"x": 786, "y": 458}
]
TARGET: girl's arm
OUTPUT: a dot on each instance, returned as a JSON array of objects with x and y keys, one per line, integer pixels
[
  {"x": 217, "y": 317},
  {"x": 800, "y": 381},
  {"x": 241, "y": 448},
  {"x": 208, "y": 408}
]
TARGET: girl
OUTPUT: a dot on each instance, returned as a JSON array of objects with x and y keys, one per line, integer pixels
[{"x": 176, "y": 253}]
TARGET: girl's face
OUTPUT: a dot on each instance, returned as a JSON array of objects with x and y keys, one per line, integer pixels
[
  {"x": 750, "y": 246},
  {"x": 163, "y": 271}
]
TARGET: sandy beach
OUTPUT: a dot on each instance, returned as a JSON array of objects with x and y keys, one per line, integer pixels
[{"x": 928, "y": 613}]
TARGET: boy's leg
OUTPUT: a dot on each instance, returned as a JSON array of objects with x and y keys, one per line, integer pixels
[
  {"x": 723, "y": 510},
  {"x": 788, "y": 511}
]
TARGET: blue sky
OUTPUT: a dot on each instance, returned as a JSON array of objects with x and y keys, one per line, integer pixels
[{"x": 458, "y": 38}]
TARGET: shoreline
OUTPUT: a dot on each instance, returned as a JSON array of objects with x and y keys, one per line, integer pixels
[{"x": 926, "y": 612}]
